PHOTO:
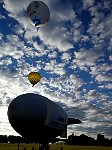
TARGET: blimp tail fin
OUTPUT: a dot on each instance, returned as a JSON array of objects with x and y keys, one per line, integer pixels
[{"x": 73, "y": 121}]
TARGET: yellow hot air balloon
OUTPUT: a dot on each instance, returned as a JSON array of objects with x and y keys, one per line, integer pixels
[{"x": 34, "y": 77}]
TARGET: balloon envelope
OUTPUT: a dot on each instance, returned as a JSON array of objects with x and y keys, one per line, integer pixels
[
  {"x": 34, "y": 77},
  {"x": 38, "y": 13}
]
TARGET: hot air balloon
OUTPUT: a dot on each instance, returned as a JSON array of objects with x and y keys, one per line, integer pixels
[
  {"x": 34, "y": 77},
  {"x": 38, "y": 13}
]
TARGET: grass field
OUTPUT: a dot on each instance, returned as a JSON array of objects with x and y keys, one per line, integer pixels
[{"x": 52, "y": 147}]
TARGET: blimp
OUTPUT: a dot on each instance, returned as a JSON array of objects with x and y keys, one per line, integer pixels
[{"x": 37, "y": 118}]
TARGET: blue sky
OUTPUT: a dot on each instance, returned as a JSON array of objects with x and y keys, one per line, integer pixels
[{"x": 73, "y": 54}]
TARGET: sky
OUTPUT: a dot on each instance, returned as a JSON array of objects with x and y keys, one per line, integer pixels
[{"x": 73, "y": 54}]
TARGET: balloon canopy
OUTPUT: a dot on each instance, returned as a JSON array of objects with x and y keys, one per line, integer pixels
[
  {"x": 34, "y": 77},
  {"x": 38, "y": 13}
]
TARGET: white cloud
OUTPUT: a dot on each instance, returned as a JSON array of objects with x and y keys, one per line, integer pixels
[
  {"x": 104, "y": 77},
  {"x": 100, "y": 26},
  {"x": 18, "y": 30},
  {"x": 6, "y": 61},
  {"x": 1, "y": 35},
  {"x": 2, "y": 17},
  {"x": 87, "y": 57},
  {"x": 108, "y": 86},
  {"x": 54, "y": 67},
  {"x": 65, "y": 56},
  {"x": 110, "y": 58},
  {"x": 88, "y": 3},
  {"x": 52, "y": 54},
  {"x": 110, "y": 44},
  {"x": 99, "y": 69}
]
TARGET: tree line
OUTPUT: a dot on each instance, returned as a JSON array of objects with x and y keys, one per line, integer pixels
[
  {"x": 71, "y": 140},
  {"x": 12, "y": 139},
  {"x": 89, "y": 141}
]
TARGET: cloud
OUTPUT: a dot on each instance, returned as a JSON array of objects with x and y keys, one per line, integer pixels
[
  {"x": 108, "y": 86},
  {"x": 87, "y": 4},
  {"x": 53, "y": 67},
  {"x": 17, "y": 29},
  {"x": 65, "y": 57},
  {"x": 104, "y": 77},
  {"x": 86, "y": 58},
  {"x": 101, "y": 72},
  {"x": 2, "y": 17}
]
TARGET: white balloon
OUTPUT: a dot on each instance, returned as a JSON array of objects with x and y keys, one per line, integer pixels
[{"x": 38, "y": 13}]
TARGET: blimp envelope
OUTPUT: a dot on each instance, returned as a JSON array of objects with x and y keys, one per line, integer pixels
[
  {"x": 56, "y": 117},
  {"x": 38, "y": 13},
  {"x": 36, "y": 117}
]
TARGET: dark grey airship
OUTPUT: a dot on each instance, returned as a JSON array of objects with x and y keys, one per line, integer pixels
[{"x": 35, "y": 117}]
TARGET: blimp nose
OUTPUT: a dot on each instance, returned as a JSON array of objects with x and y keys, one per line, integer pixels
[
  {"x": 25, "y": 113},
  {"x": 27, "y": 108}
]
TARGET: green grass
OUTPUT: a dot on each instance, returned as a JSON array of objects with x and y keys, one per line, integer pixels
[
  {"x": 70, "y": 147},
  {"x": 15, "y": 146},
  {"x": 53, "y": 147}
]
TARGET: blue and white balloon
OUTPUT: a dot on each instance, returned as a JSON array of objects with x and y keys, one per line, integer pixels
[{"x": 38, "y": 13}]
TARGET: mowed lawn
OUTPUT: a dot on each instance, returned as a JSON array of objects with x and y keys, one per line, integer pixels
[{"x": 52, "y": 147}]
